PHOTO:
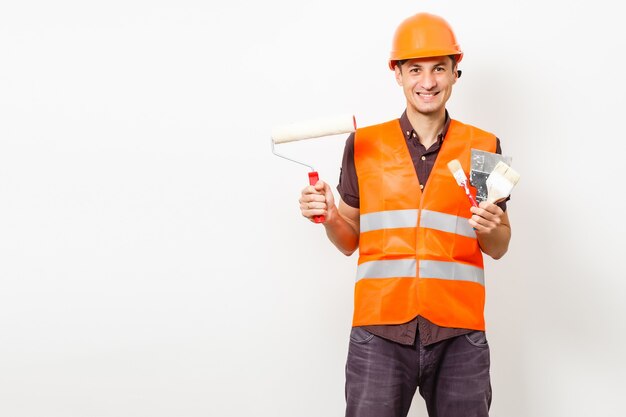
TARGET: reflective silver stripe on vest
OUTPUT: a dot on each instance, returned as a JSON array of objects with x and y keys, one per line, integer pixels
[
  {"x": 452, "y": 271},
  {"x": 390, "y": 219},
  {"x": 446, "y": 223},
  {"x": 387, "y": 269}
]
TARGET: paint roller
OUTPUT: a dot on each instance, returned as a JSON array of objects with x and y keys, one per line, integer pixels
[{"x": 310, "y": 129}]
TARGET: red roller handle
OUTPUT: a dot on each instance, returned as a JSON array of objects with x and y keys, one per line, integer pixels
[{"x": 313, "y": 179}]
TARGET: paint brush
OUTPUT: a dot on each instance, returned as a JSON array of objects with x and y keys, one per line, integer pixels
[
  {"x": 500, "y": 182},
  {"x": 459, "y": 175}
]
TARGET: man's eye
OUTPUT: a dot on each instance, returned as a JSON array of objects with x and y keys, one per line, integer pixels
[{"x": 440, "y": 69}]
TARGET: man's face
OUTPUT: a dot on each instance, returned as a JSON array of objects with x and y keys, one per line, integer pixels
[{"x": 427, "y": 83}]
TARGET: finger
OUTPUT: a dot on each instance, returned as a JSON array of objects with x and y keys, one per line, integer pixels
[
  {"x": 476, "y": 224},
  {"x": 312, "y": 198},
  {"x": 491, "y": 208},
  {"x": 475, "y": 221},
  {"x": 310, "y": 195},
  {"x": 313, "y": 202},
  {"x": 482, "y": 224},
  {"x": 316, "y": 205},
  {"x": 485, "y": 213},
  {"x": 309, "y": 189},
  {"x": 317, "y": 198},
  {"x": 310, "y": 213}
]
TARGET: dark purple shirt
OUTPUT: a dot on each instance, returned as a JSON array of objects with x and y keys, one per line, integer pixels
[{"x": 424, "y": 160}]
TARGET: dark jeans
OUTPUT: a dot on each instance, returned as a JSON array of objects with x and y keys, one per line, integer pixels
[{"x": 452, "y": 376}]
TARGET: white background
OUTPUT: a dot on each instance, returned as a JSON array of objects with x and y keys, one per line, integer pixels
[{"x": 153, "y": 261}]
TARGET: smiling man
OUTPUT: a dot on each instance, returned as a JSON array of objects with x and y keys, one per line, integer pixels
[{"x": 419, "y": 293}]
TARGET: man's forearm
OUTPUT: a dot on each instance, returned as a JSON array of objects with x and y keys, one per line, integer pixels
[{"x": 342, "y": 233}]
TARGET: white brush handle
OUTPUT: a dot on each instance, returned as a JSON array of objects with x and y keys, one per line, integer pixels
[{"x": 328, "y": 126}]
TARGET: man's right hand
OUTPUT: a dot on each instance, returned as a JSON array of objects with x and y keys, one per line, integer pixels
[
  {"x": 341, "y": 224},
  {"x": 317, "y": 200}
]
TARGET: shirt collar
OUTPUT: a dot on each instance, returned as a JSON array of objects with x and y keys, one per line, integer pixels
[{"x": 409, "y": 132}]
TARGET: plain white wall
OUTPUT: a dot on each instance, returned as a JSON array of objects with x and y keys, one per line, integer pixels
[{"x": 153, "y": 261}]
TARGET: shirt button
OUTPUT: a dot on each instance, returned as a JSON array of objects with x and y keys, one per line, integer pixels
[
  {"x": 421, "y": 186},
  {"x": 423, "y": 158}
]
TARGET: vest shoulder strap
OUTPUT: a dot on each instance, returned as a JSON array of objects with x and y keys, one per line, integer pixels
[{"x": 373, "y": 132}]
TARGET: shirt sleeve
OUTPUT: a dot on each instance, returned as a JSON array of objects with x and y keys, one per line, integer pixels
[{"x": 348, "y": 186}]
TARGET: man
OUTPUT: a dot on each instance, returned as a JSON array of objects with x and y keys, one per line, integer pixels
[{"x": 419, "y": 295}]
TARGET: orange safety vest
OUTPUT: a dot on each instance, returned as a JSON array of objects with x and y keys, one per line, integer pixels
[{"x": 418, "y": 255}]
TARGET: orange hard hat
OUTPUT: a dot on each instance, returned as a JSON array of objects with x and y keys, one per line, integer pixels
[{"x": 421, "y": 36}]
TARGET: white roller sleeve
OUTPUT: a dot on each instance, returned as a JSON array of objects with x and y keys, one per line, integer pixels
[{"x": 314, "y": 128}]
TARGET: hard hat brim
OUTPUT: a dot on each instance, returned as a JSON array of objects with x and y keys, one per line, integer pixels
[{"x": 395, "y": 57}]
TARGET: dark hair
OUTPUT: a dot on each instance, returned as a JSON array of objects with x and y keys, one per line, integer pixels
[
  {"x": 400, "y": 62},
  {"x": 458, "y": 71},
  {"x": 453, "y": 58}
]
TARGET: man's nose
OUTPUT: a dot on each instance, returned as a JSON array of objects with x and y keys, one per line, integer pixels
[{"x": 428, "y": 81}]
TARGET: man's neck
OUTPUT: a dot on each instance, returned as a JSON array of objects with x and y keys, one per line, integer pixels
[{"x": 427, "y": 126}]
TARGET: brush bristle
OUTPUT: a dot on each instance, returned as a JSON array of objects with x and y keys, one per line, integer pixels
[
  {"x": 500, "y": 182},
  {"x": 454, "y": 165},
  {"x": 457, "y": 171},
  {"x": 507, "y": 172}
]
